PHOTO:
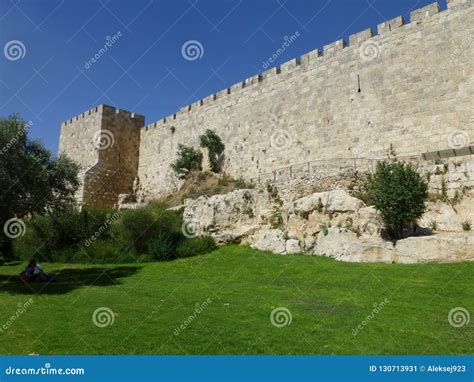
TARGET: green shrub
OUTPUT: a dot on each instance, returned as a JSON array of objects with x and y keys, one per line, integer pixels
[
  {"x": 97, "y": 252},
  {"x": 189, "y": 160},
  {"x": 399, "y": 193},
  {"x": 215, "y": 147},
  {"x": 60, "y": 230},
  {"x": 195, "y": 246},
  {"x": 162, "y": 248},
  {"x": 466, "y": 225},
  {"x": 137, "y": 228}
]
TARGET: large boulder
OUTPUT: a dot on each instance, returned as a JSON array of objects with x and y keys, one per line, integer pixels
[
  {"x": 272, "y": 240},
  {"x": 292, "y": 246},
  {"x": 439, "y": 248},
  {"x": 329, "y": 202},
  {"x": 441, "y": 215},
  {"x": 305, "y": 218},
  {"x": 345, "y": 245},
  {"x": 229, "y": 217}
]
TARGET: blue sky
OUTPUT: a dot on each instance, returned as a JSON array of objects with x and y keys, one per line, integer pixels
[{"x": 50, "y": 78}]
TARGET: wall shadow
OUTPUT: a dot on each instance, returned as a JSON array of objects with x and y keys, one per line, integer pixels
[{"x": 68, "y": 279}]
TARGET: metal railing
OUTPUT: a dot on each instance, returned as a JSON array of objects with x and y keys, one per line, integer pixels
[{"x": 318, "y": 167}]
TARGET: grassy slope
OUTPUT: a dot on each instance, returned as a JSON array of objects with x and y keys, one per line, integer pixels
[{"x": 327, "y": 300}]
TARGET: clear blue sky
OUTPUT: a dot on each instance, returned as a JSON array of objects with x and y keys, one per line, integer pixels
[{"x": 144, "y": 69}]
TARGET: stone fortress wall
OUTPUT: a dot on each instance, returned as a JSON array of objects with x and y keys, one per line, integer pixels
[
  {"x": 105, "y": 142},
  {"x": 409, "y": 88}
]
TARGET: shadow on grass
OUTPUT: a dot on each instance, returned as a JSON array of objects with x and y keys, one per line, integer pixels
[{"x": 68, "y": 279}]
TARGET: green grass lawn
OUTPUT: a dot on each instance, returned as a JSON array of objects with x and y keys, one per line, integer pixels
[{"x": 326, "y": 299}]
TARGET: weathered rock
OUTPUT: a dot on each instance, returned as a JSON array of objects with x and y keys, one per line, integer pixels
[
  {"x": 343, "y": 244},
  {"x": 269, "y": 240},
  {"x": 292, "y": 246},
  {"x": 369, "y": 222},
  {"x": 443, "y": 216},
  {"x": 440, "y": 248},
  {"x": 328, "y": 202},
  {"x": 305, "y": 218},
  {"x": 228, "y": 217}
]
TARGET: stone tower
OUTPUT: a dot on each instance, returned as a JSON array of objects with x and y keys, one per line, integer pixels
[{"x": 105, "y": 142}]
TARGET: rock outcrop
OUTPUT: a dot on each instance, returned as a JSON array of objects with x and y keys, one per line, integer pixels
[
  {"x": 230, "y": 217},
  {"x": 330, "y": 223}
]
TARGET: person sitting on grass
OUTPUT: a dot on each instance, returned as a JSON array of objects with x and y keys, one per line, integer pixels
[{"x": 33, "y": 272}]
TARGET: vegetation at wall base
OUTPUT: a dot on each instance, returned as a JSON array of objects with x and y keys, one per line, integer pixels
[{"x": 90, "y": 235}]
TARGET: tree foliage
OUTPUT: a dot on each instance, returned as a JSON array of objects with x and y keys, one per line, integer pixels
[
  {"x": 189, "y": 159},
  {"x": 399, "y": 193},
  {"x": 32, "y": 181},
  {"x": 215, "y": 147}
]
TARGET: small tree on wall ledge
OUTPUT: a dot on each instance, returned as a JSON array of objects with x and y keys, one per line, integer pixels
[
  {"x": 399, "y": 193},
  {"x": 189, "y": 159},
  {"x": 215, "y": 147}
]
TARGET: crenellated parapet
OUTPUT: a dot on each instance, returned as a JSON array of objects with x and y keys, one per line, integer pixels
[
  {"x": 317, "y": 57},
  {"x": 405, "y": 85}
]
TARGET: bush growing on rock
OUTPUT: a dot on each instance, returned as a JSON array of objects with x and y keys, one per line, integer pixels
[{"x": 399, "y": 193}]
